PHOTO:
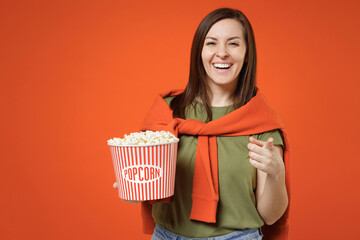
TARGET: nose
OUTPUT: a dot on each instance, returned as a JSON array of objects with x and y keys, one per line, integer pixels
[{"x": 221, "y": 51}]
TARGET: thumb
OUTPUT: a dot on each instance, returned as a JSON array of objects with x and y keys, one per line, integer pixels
[
  {"x": 269, "y": 144},
  {"x": 115, "y": 185}
]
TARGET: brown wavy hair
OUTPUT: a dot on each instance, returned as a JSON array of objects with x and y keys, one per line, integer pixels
[{"x": 197, "y": 85}]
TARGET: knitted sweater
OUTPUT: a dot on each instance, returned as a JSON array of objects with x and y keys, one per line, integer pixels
[{"x": 256, "y": 116}]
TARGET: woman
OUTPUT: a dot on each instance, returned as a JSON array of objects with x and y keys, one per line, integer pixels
[{"x": 230, "y": 175}]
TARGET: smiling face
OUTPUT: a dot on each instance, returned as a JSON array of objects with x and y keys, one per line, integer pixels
[{"x": 223, "y": 53}]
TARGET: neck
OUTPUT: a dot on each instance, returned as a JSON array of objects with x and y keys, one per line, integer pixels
[{"x": 222, "y": 94}]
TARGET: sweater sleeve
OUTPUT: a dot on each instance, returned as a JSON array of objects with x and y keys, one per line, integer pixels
[{"x": 148, "y": 222}]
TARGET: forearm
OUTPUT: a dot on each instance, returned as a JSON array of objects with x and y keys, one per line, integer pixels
[{"x": 273, "y": 201}]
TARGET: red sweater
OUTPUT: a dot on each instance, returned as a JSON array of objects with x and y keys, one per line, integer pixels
[{"x": 255, "y": 117}]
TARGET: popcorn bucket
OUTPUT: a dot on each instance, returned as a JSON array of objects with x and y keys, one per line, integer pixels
[{"x": 145, "y": 172}]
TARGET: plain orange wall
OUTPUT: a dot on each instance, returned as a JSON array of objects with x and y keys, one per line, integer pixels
[{"x": 76, "y": 73}]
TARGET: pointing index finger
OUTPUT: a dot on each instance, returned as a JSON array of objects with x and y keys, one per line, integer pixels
[
  {"x": 257, "y": 142},
  {"x": 269, "y": 143}
]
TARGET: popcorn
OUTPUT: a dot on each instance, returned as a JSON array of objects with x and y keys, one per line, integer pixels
[{"x": 144, "y": 138}]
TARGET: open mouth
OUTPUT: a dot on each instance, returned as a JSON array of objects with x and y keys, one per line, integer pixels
[{"x": 222, "y": 65}]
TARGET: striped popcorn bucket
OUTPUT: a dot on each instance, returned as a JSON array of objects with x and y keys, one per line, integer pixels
[{"x": 145, "y": 172}]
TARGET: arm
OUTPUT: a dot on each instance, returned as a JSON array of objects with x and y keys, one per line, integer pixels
[{"x": 271, "y": 194}]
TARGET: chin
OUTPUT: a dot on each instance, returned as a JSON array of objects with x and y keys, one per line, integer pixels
[{"x": 223, "y": 82}]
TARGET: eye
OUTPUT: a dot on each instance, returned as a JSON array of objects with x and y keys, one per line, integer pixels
[
  {"x": 210, "y": 43},
  {"x": 234, "y": 44}
]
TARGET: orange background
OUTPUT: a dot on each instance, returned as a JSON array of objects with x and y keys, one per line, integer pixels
[{"x": 76, "y": 73}]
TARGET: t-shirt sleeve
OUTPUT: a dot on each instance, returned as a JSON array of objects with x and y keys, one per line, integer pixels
[
  {"x": 276, "y": 134},
  {"x": 168, "y": 100}
]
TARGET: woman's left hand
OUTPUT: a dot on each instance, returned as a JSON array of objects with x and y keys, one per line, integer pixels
[{"x": 266, "y": 157}]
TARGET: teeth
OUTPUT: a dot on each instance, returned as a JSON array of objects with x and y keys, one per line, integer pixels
[{"x": 220, "y": 65}]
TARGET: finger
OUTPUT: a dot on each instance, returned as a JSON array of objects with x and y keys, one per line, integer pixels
[
  {"x": 115, "y": 185},
  {"x": 131, "y": 201},
  {"x": 269, "y": 144},
  {"x": 256, "y": 141},
  {"x": 257, "y": 164},
  {"x": 256, "y": 157},
  {"x": 257, "y": 149}
]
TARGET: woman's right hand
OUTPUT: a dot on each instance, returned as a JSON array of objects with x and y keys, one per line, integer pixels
[{"x": 115, "y": 185}]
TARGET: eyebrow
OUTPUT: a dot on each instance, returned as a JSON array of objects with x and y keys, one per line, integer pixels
[{"x": 227, "y": 39}]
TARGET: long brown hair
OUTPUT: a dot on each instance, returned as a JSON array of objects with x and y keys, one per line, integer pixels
[{"x": 197, "y": 85}]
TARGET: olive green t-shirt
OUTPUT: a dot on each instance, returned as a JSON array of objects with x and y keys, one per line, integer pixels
[{"x": 237, "y": 183}]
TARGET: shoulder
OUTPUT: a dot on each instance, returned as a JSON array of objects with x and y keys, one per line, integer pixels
[
  {"x": 169, "y": 95},
  {"x": 168, "y": 99}
]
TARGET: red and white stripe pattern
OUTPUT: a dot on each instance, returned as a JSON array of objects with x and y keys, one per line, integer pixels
[{"x": 145, "y": 172}]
